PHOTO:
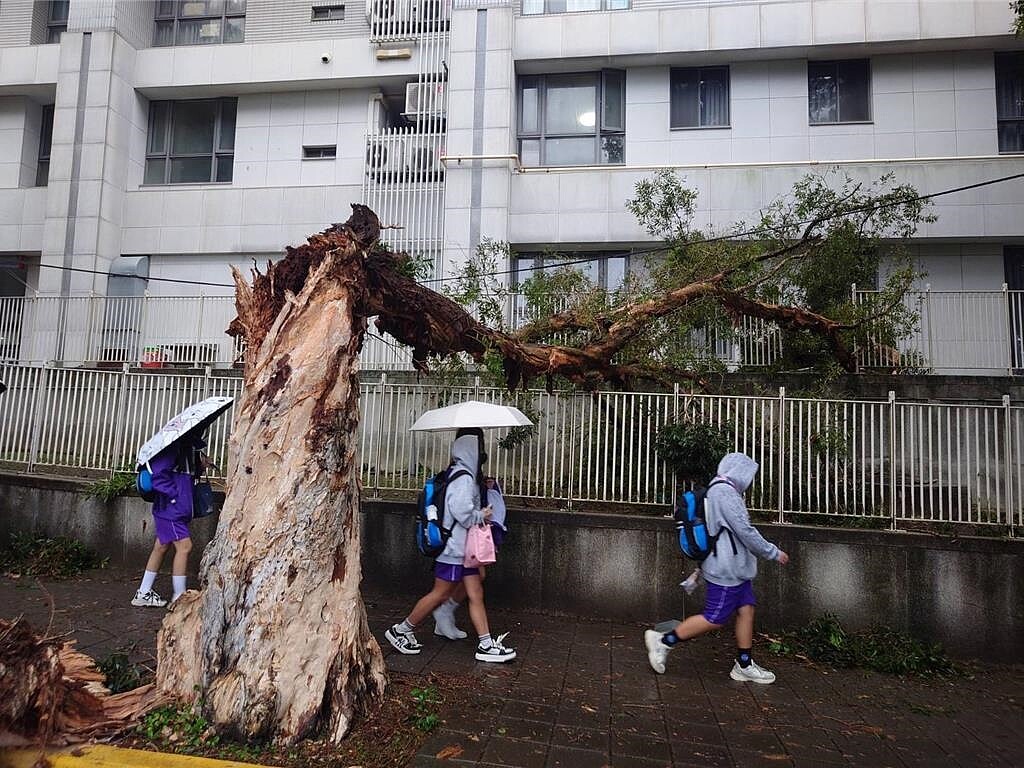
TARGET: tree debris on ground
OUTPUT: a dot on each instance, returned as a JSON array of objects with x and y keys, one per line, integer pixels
[{"x": 53, "y": 695}]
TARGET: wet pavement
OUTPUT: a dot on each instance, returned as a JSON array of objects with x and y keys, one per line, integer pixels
[{"x": 581, "y": 693}]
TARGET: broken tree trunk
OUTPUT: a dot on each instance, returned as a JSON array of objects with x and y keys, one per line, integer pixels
[{"x": 277, "y": 642}]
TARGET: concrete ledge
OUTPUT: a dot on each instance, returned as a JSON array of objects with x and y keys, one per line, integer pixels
[
  {"x": 103, "y": 756},
  {"x": 964, "y": 592}
]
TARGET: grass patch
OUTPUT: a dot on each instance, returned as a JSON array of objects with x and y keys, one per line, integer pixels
[
  {"x": 111, "y": 488},
  {"x": 60, "y": 558},
  {"x": 388, "y": 737},
  {"x": 880, "y": 649}
]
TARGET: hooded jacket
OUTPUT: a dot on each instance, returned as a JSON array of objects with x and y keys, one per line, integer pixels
[
  {"x": 725, "y": 508},
  {"x": 462, "y": 499}
]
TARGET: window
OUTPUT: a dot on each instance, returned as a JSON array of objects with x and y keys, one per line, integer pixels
[
  {"x": 320, "y": 153},
  {"x": 534, "y": 7},
  {"x": 573, "y": 119},
  {"x": 45, "y": 140},
  {"x": 700, "y": 97},
  {"x": 606, "y": 270},
  {"x": 199, "y": 22},
  {"x": 190, "y": 142},
  {"x": 1010, "y": 101},
  {"x": 56, "y": 20},
  {"x": 328, "y": 13},
  {"x": 839, "y": 91}
]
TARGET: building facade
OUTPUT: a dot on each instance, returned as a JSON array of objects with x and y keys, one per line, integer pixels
[{"x": 145, "y": 142}]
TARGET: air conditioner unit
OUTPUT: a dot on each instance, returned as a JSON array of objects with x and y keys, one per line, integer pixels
[
  {"x": 423, "y": 99},
  {"x": 423, "y": 156},
  {"x": 385, "y": 156}
]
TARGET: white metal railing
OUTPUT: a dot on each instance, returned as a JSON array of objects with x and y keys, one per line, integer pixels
[
  {"x": 957, "y": 332},
  {"x": 151, "y": 331},
  {"x": 894, "y": 462},
  {"x": 400, "y": 20}
]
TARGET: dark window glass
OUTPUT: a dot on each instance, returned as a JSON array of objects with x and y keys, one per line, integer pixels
[
  {"x": 839, "y": 91},
  {"x": 56, "y": 20},
  {"x": 699, "y": 97},
  {"x": 45, "y": 142},
  {"x": 319, "y": 153},
  {"x": 199, "y": 22},
  {"x": 1010, "y": 101},
  {"x": 190, "y": 142},
  {"x": 328, "y": 13}
]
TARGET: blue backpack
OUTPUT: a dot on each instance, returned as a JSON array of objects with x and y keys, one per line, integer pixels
[
  {"x": 695, "y": 540},
  {"x": 431, "y": 535},
  {"x": 144, "y": 483}
]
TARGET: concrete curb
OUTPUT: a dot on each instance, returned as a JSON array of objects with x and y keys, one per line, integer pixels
[{"x": 103, "y": 756}]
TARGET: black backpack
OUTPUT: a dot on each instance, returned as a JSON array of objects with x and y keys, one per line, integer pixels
[
  {"x": 431, "y": 535},
  {"x": 695, "y": 540}
]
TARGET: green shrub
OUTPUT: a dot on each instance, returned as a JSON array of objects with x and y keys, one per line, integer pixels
[
  {"x": 27, "y": 555},
  {"x": 121, "y": 675},
  {"x": 112, "y": 488},
  {"x": 692, "y": 449},
  {"x": 881, "y": 649}
]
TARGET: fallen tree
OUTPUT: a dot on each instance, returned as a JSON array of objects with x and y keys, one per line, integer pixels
[{"x": 276, "y": 642}]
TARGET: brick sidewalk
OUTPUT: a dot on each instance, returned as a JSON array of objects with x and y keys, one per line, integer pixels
[{"x": 581, "y": 694}]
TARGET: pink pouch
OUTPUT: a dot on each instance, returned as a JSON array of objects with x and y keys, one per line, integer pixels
[{"x": 479, "y": 547}]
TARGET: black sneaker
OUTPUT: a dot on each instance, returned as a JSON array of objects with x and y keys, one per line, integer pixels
[
  {"x": 497, "y": 652},
  {"x": 403, "y": 642}
]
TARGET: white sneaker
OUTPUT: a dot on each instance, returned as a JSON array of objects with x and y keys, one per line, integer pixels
[
  {"x": 657, "y": 651},
  {"x": 497, "y": 652},
  {"x": 752, "y": 674},
  {"x": 403, "y": 642},
  {"x": 444, "y": 623},
  {"x": 148, "y": 599}
]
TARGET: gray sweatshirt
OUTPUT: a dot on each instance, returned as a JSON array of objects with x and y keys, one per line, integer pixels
[
  {"x": 462, "y": 499},
  {"x": 724, "y": 508}
]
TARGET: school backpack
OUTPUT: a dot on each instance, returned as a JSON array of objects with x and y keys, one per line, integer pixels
[
  {"x": 695, "y": 539},
  {"x": 431, "y": 535},
  {"x": 144, "y": 483}
]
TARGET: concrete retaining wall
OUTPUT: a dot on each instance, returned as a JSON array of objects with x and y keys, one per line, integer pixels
[{"x": 963, "y": 592}]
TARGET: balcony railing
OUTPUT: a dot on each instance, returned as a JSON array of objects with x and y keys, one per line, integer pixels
[
  {"x": 398, "y": 20},
  {"x": 972, "y": 332},
  {"x": 961, "y": 332},
  {"x": 538, "y": 7}
]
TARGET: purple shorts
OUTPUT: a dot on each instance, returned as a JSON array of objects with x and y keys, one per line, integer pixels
[
  {"x": 722, "y": 602},
  {"x": 170, "y": 530},
  {"x": 453, "y": 573}
]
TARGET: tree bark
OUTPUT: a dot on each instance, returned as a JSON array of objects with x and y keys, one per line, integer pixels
[{"x": 277, "y": 642}]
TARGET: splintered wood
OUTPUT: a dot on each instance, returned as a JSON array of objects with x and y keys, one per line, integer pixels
[{"x": 50, "y": 694}]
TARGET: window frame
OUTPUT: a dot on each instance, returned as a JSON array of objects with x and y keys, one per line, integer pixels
[
  {"x": 1018, "y": 58},
  {"x": 319, "y": 151},
  {"x": 839, "y": 118},
  {"x": 56, "y": 25},
  {"x": 607, "y": 6},
  {"x": 601, "y": 130},
  {"x": 176, "y": 19},
  {"x": 45, "y": 146},
  {"x": 330, "y": 11},
  {"x": 216, "y": 155},
  {"x": 674, "y": 71}
]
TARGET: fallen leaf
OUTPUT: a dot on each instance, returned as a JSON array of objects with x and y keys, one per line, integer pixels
[
  {"x": 449, "y": 752},
  {"x": 591, "y": 710}
]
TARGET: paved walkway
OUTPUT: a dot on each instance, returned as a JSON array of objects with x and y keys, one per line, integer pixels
[{"x": 581, "y": 694}]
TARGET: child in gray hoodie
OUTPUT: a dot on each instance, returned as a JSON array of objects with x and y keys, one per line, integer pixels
[{"x": 728, "y": 571}]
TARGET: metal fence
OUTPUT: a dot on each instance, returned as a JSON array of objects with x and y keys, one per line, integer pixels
[
  {"x": 958, "y": 332},
  {"x": 887, "y": 462}
]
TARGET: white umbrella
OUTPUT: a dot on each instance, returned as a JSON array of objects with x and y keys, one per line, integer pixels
[
  {"x": 471, "y": 413},
  {"x": 196, "y": 417}
]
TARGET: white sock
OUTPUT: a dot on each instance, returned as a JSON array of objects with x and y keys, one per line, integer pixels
[
  {"x": 148, "y": 578},
  {"x": 451, "y": 603},
  {"x": 405, "y": 627},
  {"x": 179, "y": 586},
  {"x": 485, "y": 641}
]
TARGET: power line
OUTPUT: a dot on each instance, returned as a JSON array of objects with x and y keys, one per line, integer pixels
[{"x": 632, "y": 252}]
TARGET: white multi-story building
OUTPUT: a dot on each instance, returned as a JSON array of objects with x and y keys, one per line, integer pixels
[{"x": 144, "y": 141}]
